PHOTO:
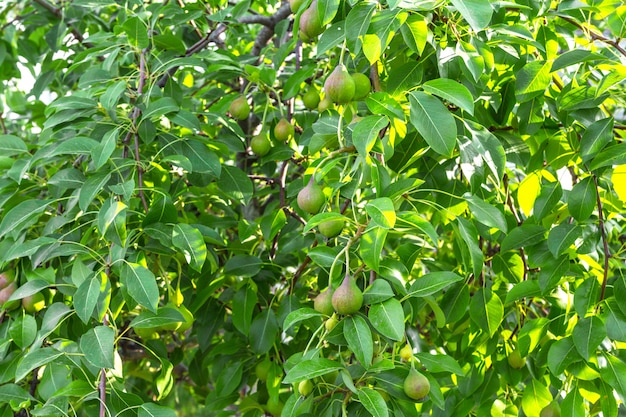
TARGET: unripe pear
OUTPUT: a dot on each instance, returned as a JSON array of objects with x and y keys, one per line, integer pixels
[
  {"x": 305, "y": 387},
  {"x": 260, "y": 144},
  {"x": 295, "y": 5},
  {"x": 311, "y": 99},
  {"x": 516, "y": 360},
  {"x": 331, "y": 322},
  {"x": 331, "y": 228},
  {"x": 6, "y": 293},
  {"x": 324, "y": 302},
  {"x": 283, "y": 130},
  {"x": 406, "y": 353},
  {"x": 239, "y": 108},
  {"x": 348, "y": 297},
  {"x": 551, "y": 410},
  {"x": 325, "y": 104},
  {"x": 310, "y": 22},
  {"x": 362, "y": 85},
  {"x": 34, "y": 303},
  {"x": 311, "y": 198},
  {"x": 6, "y": 278},
  {"x": 275, "y": 406},
  {"x": 416, "y": 385},
  {"x": 262, "y": 369},
  {"x": 339, "y": 85}
]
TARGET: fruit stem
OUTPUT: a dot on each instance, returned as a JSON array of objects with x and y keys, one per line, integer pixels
[{"x": 343, "y": 51}]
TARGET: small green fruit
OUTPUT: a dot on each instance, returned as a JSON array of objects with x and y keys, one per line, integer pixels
[
  {"x": 323, "y": 302},
  {"x": 551, "y": 410},
  {"x": 262, "y": 369},
  {"x": 311, "y": 198},
  {"x": 516, "y": 360},
  {"x": 305, "y": 387},
  {"x": 239, "y": 108},
  {"x": 416, "y": 385},
  {"x": 331, "y": 322},
  {"x": 348, "y": 297},
  {"x": 275, "y": 406},
  {"x": 34, "y": 303},
  {"x": 147, "y": 333},
  {"x": 188, "y": 316},
  {"x": 295, "y": 5},
  {"x": 339, "y": 85},
  {"x": 331, "y": 228},
  {"x": 310, "y": 22},
  {"x": 325, "y": 104},
  {"x": 311, "y": 98},
  {"x": 260, "y": 144},
  {"x": 406, "y": 353},
  {"x": 283, "y": 130},
  {"x": 362, "y": 85}
]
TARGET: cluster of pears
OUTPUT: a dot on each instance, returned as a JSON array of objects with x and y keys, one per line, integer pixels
[
  {"x": 346, "y": 299},
  {"x": 342, "y": 87},
  {"x": 261, "y": 143},
  {"x": 311, "y": 199}
]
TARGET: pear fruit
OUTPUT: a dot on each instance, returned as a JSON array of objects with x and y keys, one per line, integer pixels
[
  {"x": 515, "y": 359},
  {"x": 311, "y": 99},
  {"x": 416, "y": 385},
  {"x": 239, "y": 108},
  {"x": 311, "y": 198},
  {"x": 311, "y": 23},
  {"x": 260, "y": 144},
  {"x": 331, "y": 228},
  {"x": 323, "y": 302},
  {"x": 305, "y": 387},
  {"x": 274, "y": 406},
  {"x": 362, "y": 85},
  {"x": 283, "y": 130},
  {"x": 339, "y": 85},
  {"x": 551, "y": 410},
  {"x": 295, "y": 5},
  {"x": 34, "y": 303},
  {"x": 262, "y": 369},
  {"x": 406, "y": 353},
  {"x": 6, "y": 293},
  {"x": 348, "y": 297},
  {"x": 325, "y": 104}
]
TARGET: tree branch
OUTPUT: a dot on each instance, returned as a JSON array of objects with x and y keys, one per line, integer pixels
[
  {"x": 57, "y": 12},
  {"x": 595, "y": 36},
  {"x": 605, "y": 244}
]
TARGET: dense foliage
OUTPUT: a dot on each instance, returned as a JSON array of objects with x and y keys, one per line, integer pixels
[{"x": 160, "y": 258}]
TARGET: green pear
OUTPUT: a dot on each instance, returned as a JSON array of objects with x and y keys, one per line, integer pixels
[
  {"x": 348, "y": 297},
  {"x": 416, "y": 385}
]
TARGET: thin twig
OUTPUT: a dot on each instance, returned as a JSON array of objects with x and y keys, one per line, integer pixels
[
  {"x": 57, "y": 12},
  {"x": 595, "y": 36}
]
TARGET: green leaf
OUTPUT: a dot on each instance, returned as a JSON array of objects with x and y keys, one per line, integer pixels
[
  {"x": 404, "y": 78},
  {"x": 522, "y": 290},
  {"x": 263, "y": 331},
  {"x": 244, "y": 302},
  {"x": 91, "y": 188},
  {"x": 486, "y": 310},
  {"x": 327, "y": 10},
  {"x": 486, "y": 213},
  {"x": 29, "y": 288},
  {"x": 588, "y": 333},
  {"x": 359, "y": 337},
  {"x": 203, "y": 160},
  {"x": 14, "y": 393},
  {"x": 141, "y": 285},
  {"x": 103, "y": 151},
  {"x": 523, "y": 236},
  {"x": 372, "y": 48},
  {"x": 615, "y": 321},
  {"x": 439, "y": 363},
  {"x": 229, "y": 379},
  {"x": 535, "y": 397},
  {"x": 451, "y": 91},
  {"x": 35, "y": 359},
  {"x": 548, "y": 199},
  {"x": 236, "y": 184},
  {"x": 581, "y": 200},
  {"x": 596, "y": 137},
  {"x": 371, "y": 246},
  {"x": 552, "y": 273},
  {"x": 415, "y": 32},
  {"x": 379, "y": 291},
  {"x": 112, "y": 94},
  {"x": 137, "y": 32},
  {"x": 532, "y": 80},
  {"x": 573, "y": 405},
  {"x": 434, "y": 122},
  {"x": 21, "y": 216},
  {"x": 162, "y": 210},
  {"x": 299, "y": 315},
  {"x": 382, "y": 212},
  {"x": 469, "y": 235},
  {"x": 373, "y": 402},
  {"x": 311, "y": 368},
  {"x": 562, "y": 237},
  {"x": 357, "y": 23},
  {"x": 23, "y": 330},
  {"x": 98, "y": 346},
  {"x": 11, "y": 145},
  {"x": 412, "y": 220},
  {"x": 382, "y": 103},
  {"x": 86, "y": 297},
  {"x": 160, "y": 107},
  {"x": 388, "y": 318},
  {"x": 476, "y": 12},
  {"x": 432, "y": 283},
  {"x": 573, "y": 57},
  {"x": 112, "y": 221},
  {"x": 366, "y": 132},
  {"x": 614, "y": 373},
  {"x": 154, "y": 410},
  {"x": 562, "y": 353},
  {"x": 611, "y": 155},
  {"x": 190, "y": 242},
  {"x": 243, "y": 266}
]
